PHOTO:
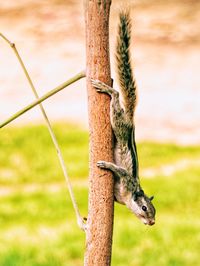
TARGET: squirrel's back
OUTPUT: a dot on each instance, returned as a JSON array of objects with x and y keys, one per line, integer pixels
[{"x": 124, "y": 70}]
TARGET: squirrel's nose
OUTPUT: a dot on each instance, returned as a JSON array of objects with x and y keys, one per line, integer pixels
[{"x": 151, "y": 222}]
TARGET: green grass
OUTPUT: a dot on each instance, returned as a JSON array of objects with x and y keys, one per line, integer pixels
[
  {"x": 28, "y": 156},
  {"x": 37, "y": 222}
]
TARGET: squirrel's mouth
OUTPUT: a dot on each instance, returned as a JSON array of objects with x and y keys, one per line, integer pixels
[
  {"x": 151, "y": 222},
  {"x": 147, "y": 221}
]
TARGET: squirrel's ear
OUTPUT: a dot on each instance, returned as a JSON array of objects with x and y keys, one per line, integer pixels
[{"x": 151, "y": 198}]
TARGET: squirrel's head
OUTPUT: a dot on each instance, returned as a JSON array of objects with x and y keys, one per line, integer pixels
[{"x": 143, "y": 208}]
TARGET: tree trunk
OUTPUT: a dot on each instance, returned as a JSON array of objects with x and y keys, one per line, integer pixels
[{"x": 100, "y": 216}]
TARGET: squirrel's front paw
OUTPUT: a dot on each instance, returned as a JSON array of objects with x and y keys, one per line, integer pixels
[{"x": 101, "y": 164}]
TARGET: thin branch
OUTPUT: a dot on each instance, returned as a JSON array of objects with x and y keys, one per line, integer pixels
[
  {"x": 80, "y": 220},
  {"x": 78, "y": 76}
]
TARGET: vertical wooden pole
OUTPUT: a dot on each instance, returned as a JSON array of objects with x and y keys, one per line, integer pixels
[{"x": 100, "y": 216}]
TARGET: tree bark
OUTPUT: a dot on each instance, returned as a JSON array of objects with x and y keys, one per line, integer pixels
[{"x": 100, "y": 216}]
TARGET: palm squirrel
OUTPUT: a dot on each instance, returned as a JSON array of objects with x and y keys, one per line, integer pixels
[{"x": 127, "y": 188}]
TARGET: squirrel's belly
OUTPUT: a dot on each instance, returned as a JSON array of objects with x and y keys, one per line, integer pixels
[
  {"x": 121, "y": 194},
  {"x": 123, "y": 157}
]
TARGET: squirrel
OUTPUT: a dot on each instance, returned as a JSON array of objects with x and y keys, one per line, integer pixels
[{"x": 127, "y": 188}]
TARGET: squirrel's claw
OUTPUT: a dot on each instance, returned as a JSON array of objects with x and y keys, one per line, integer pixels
[{"x": 101, "y": 164}]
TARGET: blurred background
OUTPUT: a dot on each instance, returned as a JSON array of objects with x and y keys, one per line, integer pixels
[
  {"x": 37, "y": 222},
  {"x": 51, "y": 40}
]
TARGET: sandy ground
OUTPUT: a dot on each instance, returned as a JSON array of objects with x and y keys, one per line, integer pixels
[{"x": 50, "y": 38}]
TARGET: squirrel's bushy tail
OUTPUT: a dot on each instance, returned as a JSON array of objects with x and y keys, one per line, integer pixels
[{"x": 124, "y": 70}]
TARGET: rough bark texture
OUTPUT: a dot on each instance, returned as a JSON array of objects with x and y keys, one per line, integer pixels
[{"x": 100, "y": 216}]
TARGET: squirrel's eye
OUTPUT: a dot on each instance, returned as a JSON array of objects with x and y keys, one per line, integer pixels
[{"x": 144, "y": 208}]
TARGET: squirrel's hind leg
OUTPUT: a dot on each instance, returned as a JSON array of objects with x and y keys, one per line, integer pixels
[
  {"x": 117, "y": 114},
  {"x": 102, "y": 87}
]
